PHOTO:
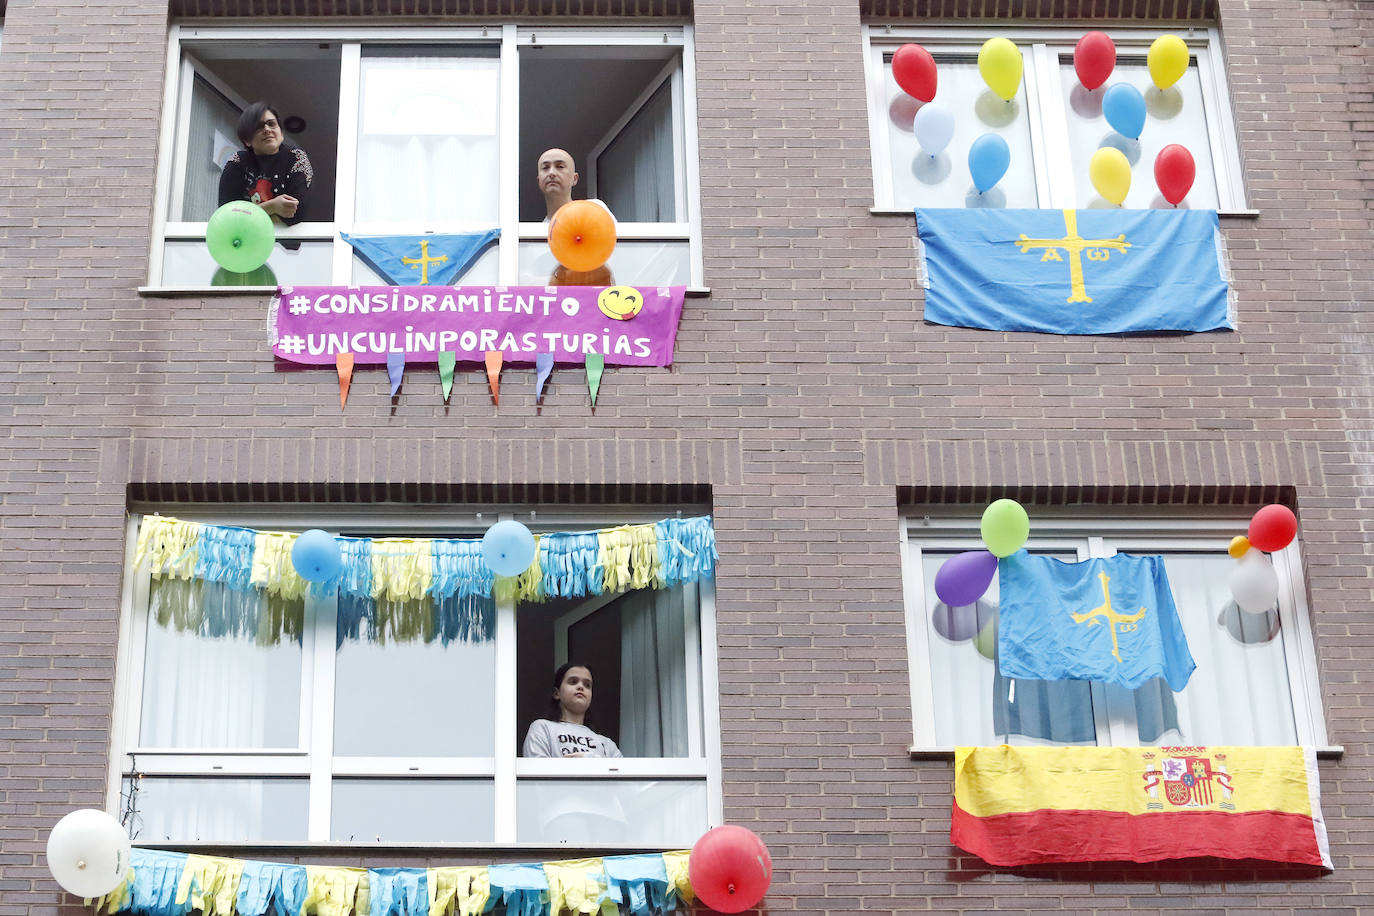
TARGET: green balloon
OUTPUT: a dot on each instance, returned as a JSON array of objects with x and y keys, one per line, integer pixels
[
  {"x": 263, "y": 276},
  {"x": 1005, "y": 527},
  {"x": 240, "y": 236}
]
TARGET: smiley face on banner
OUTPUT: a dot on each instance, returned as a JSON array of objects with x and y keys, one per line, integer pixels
[{"x": 620, "y": 302}]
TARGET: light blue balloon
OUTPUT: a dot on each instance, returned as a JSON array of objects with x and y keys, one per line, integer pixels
[
  {"x": 988, "y": 159},
  {"x": 508, "y": 547},
  {"x": 934, "y": 127},
  {"x": 316, "y": 556},
  {"x": 1124, "y": 107}
]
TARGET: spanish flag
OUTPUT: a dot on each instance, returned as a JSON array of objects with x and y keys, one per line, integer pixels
[{"x": 1029, "y": 805}]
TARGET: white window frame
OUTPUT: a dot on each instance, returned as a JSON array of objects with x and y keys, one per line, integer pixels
[
  {"x": 509, "y": 37},
  {"x": 313, "y": 758},
  {"x": 1092, "y": 535},
  {"x": 1043, "y": 49}
]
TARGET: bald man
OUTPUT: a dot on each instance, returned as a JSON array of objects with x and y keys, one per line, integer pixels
[{"x": 557, "y": 176}]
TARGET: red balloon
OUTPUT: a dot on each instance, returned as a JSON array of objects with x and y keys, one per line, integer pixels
[
  {"x": 730, "y": 869},
  {"x": 1174, "y": 172},
  {"x": 914, "y": 70},
  {"x": 1273, "y": 528},
  {"x": 1094, "y": 58}
]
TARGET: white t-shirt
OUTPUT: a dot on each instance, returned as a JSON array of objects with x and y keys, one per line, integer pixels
[{"x": 564, "y": 739}]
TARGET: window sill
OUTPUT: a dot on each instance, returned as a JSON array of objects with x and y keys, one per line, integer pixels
[
  {"x": 180, "y": 292},
  {"x": 898, "y": 211},
  {"x": 1326, "y": 752}
]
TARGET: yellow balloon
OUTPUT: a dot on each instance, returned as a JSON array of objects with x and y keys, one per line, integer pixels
[
  {"x": 1240, "y": 544},
  {"x": 1168, "y": 60},
  {"x": 999, "y": 61},
  {"x": 1111, "y": 174}
]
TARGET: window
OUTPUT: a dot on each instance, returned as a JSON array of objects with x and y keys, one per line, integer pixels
[
  {"x": 437, "y": 130},
  {"x": 248, "y": 715},
  {"x": 1052, "y": 126},
  {"x": 1255, "y": 678}
]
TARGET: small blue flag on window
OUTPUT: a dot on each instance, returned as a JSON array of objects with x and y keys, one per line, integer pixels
[
  {"x": 421, "y": 260},
  {"x": 1074, "y": 271},
  {"x": 1109, "y": 620}
]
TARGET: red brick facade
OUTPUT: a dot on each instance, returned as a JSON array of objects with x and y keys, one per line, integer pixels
[{"x": 808, "y": 399}]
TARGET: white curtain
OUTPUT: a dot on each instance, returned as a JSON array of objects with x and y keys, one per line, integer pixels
[
  {"x": 634, "y": 174},
  {"x": 211, "y": 142},
  {"x": 653, "y": 673},
  {"x": 202, "y": 692},
  {"x": 427, "y": 140}
]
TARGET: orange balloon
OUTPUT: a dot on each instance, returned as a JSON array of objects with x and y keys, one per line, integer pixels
[{"x": 582, "y": 235}]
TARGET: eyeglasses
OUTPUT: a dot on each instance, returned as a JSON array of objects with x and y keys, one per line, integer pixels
[{"x": 270, "y": 124}]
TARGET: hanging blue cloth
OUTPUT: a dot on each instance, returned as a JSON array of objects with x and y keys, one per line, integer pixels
[
  {"x": 570, "y": 566},
  {"x": 642, "y": 882},
  {"x": 225, "y": 554},
  {"x": 523, "y": 889},
  {"x": 398, "y": 891},
  {"x": 271, "y": 889},
  {"x": 686, "y": 549},
  {"x": 153, "y": 890},
  {"x": 459, "y": 569}
]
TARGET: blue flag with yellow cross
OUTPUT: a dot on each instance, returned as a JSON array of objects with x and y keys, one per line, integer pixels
[
  {"x": 421, "y": 260},
  {"x": 1074, "y": 271},
  {"x": 1111, "y": 620}
]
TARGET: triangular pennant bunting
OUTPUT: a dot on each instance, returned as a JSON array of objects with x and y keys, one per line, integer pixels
[
  {"x": 494, "y": 358},
  {"x": 446, "y": 364},
  {"x": 596, "y": 364},
  {"x": 395, "y": 370},
  {"x": 344, "y": 364},
  {"x": 543, "y": 364}
]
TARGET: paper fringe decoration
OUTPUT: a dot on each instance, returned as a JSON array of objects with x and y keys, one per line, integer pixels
[
  {"x": 161, "y": 883},
  {"x": 402, "y": 589}
]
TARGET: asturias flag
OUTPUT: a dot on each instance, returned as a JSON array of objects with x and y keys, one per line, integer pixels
[
  {"x": 1074, "y": 271},
  {"x": 421, "y": 260},
  {"x": 1109, "y": 620},
  {"x": 1029, "y": 805}
]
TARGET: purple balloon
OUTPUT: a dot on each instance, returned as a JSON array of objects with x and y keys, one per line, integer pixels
[{"x": 964, "y": 577}]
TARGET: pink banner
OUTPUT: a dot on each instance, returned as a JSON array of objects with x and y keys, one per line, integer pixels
[{"x": 629, "y": 326}]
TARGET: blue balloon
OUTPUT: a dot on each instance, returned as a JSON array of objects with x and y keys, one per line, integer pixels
[
  {"x": 508, "y": 548},
  {"x": 316, "y": 556},
  {"x": 1124, "y": 107},
  {"x": 988, "y": 159}
]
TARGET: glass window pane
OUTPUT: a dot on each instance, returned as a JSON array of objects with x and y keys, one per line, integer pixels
[
  {"x": 973, "y": 703},
  {"x": 483, "y": 272},
  {"x": 634, "y": 263},
  {"x": 1239, "y": 693},
  {"x": 427, "y": 137},
  {"x": 922, "y": 180},
  {"x": 417, "y": 697},
  {"x": 202, "y": 690},
  {"x": 188, "y": 263},
  {"x": 413, "y": 811},
  {"x": 220, "y": 810},
  {"x": 610, "y": 811},
  {"x": 1174, "y": 115}
]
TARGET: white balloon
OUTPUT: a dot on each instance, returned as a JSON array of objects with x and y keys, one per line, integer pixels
[
  {"x": 1254, "y": 584},
  {"x": 934, "y": 127},
  {"x": 88, "y": 853}
]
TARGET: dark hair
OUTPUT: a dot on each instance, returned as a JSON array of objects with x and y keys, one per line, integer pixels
[
  {"x": 554, "y": 712},
  {"x": 251, "y": 120}
]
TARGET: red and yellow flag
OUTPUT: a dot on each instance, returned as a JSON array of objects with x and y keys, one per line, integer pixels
[{"x": 1027, "y": 805}]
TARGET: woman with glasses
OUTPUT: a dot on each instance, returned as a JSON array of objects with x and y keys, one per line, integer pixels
[{"x": 270, "y": 170}]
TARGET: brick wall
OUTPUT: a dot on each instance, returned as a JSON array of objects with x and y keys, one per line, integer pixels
[{"x": 807, "y": 394}]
